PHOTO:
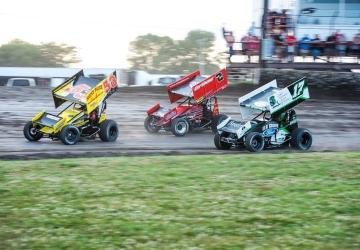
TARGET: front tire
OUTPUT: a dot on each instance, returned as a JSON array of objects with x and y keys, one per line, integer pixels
[
  {"x": 216, "y": 121},
  {"x": 301, "y": 139},
  {"x": 180, "y": 127},
  {"x": 108, "y": 131},
  {"x": 254, "y": 142},
  {"x": 220, "y": 144},
  {"x": 70, "y": 135},
  {"x": 150, "y": 124},
  {"x": 30, "y": 133}
]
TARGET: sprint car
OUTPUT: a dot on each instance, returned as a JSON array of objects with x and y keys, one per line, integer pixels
[
  {"x": 197, "y": 105},
  {"x": 83, "y": 102},
  {"x": 272, "y": 121}
]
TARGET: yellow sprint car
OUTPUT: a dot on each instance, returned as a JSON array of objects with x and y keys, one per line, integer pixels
[{"x": 83, "y": 100}]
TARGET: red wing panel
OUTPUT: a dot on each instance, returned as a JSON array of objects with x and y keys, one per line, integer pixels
[
  {"x": 182, "y": 81},
  {"x": 153, "y": 109},
  {"x": 210, "y": 86}
]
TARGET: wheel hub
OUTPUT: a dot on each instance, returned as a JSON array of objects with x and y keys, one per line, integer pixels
[{"x": 181, "y": 127}]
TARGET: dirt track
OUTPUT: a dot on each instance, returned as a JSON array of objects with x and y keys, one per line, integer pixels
[{"x": 334, "y": 124}]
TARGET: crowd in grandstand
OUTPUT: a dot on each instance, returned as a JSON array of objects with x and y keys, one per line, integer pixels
[{"x": 286, "y": 45}]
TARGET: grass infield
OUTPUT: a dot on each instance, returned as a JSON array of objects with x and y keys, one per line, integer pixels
[{"x": 260, "y": 201}]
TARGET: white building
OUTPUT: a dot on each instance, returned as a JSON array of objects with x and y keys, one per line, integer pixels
[
  {"x": 326, "y": 16},
  {"x": 54, "y": 76},
  {"x": 317, "y": 16}
]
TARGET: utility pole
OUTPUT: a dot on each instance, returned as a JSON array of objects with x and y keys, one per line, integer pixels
[{"x": 264, "y": 33}]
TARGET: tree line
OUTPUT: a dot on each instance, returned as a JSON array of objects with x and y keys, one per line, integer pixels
[
  {"x": 18, "y": 53},
  {"x": 151, "y": 53},
  {"x": 162, "y": 54}
]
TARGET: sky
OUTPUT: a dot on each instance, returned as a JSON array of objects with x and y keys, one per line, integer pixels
[{"x": 103, "y": 29}]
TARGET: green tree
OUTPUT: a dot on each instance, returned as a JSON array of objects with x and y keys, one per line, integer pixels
[
  {"x": 157, "y": 54},
  {"x": 18, "y": 53},
  {"x": 151, "y": 53}
]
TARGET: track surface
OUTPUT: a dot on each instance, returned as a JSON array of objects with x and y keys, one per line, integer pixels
[{"x": 335, "y": 125}]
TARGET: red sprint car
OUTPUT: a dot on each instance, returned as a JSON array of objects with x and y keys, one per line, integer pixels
[{"x": 197, "y": 105}]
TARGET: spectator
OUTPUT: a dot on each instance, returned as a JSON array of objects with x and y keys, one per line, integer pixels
[
  {"x": 316, "y": 46},
  {"x": 250, "y": 45},
  {"x": 330, "y": 49},
  {"x": 229, "y": 38},
  {"x": 279, "y": 41},
  {"x": 252, "y": 29},
  {"x": 304, "y": 45},
  {"x": 356, "y": 44},
  {"x": 341, "y": 44},
  {"x": 290, "y": 42}
]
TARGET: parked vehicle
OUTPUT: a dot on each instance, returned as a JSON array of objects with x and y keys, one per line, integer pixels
[
  {"x": 273, "y": 120},
  {"x": 197, "y": 105},
  {"x": 84, "y": 113},
  {"x": 163, "y": 81},
  {"x": 21, "y": 82}
]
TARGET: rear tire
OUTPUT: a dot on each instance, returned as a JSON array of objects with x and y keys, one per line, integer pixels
[
  {"x": 30, "y": 132},
  {"x": 220, "y": 144},
  {"x": 301, "y": 139},
  {"x": 254, "y": 142},
  {"x": 70, "y": 135},
  {"x": 180, "y": 127},
  {"x": 150, "y": 126},
  {"x": 108, "y": 131},
  {"x": 216, "y": 121}
]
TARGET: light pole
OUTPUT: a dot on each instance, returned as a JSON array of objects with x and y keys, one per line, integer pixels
[{"x": 264, "y": 33}]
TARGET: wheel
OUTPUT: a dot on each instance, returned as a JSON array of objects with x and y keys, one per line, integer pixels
[
  {"x": 216, "y": 121},
  {"x": 30, "y": 133},
  {"x": 254, "y": 142},
  {"x": 220, "y": 144},
  {"x": 301, "y": 138},
  {"x": 180, "y": 126},
  {"x": 150, "y": 124},
  {"x": 70, "y": 135},
  {"x": 108, "y": 131}
]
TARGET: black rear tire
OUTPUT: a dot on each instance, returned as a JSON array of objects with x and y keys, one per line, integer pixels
[
  {"x": 70, "y": 135},
  {"x": 150, "y": 126},
  {"x": 180, "y": 126},
  {"x": 109, "y": 131},
  {"x": 30, "y": 133},
  {"x": 220, "y": 144},
  {"x": 254, "y": 142},
  {"x": 216, "y": 121},
  {"x": 301, "y": 139}
]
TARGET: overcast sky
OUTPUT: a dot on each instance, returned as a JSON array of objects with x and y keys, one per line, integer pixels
[{"x": 102, "y": 29}]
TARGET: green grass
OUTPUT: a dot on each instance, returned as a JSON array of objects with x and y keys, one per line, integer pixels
[{"x": 254, "y": 201}]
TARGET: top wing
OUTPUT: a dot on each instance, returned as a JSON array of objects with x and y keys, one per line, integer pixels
[
  {"x": 84, "y": 90},
  {"x": 100, "y": 92},
  {"x": 210, "y": 86},
  {"x": 74, "y": 89},
  {"x": 178, "y": 89},
  {"x": 289, "y": 97},
  {"x": 273, "y": 99},
  {"x": 198, "y": 87}
]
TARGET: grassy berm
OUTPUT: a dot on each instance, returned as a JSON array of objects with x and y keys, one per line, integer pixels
[{"x": 247, "y": 201}]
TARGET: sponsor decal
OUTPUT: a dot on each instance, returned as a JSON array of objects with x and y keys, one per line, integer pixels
[
  {"x": 280, "y": 98},
  {"x": 298, "y": 89},
  {"x": 270, "y": 131},
  {"x": 197, "y": 87},
  {"x": 219, "y": 77},
  {"x": 241, "y": 131},
  {"x": 52, "y": 117},
  {"x": 106, "y": 86},
  {"x": 78, "y": 91}
]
